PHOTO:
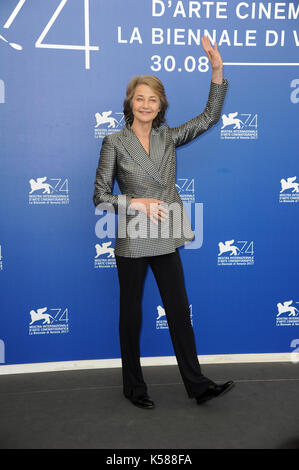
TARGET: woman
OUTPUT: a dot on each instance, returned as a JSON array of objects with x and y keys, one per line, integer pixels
[{"x": 152, "y": 223}]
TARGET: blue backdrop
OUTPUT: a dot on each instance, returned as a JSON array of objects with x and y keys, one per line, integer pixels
[{"x": 64, "y": 70}]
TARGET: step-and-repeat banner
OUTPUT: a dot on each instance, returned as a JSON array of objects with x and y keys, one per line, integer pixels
[{"x": 64, "y": 67}]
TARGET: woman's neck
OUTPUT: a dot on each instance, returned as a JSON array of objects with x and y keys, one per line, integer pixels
[{"x": 142, "y": 129}]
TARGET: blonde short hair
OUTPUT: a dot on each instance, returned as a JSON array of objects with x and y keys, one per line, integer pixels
[{"x": 157, "y": 86}]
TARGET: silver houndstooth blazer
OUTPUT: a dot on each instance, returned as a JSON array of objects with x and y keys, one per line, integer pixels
[{"x": 140, "y": 175}]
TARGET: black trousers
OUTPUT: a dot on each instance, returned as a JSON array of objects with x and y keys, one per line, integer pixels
[{"x": 168, "y": 273}]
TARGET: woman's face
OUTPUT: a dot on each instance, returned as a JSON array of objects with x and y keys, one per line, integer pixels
[{"x": 145, "y": 104}]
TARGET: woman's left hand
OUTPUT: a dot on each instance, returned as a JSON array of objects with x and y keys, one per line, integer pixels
[{"x": 213, "y": 54}]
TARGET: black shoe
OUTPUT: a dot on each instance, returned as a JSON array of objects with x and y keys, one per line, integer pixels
[
  {"x": 214, "y": 391},
  {"x": 144, "y": 402}
]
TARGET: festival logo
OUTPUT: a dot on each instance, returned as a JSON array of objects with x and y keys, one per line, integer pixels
[
  {"x": 287, "y": 313},
  {"x": 237, "y": 126},
  {"x": 105, "y": 257},
  {"x": 235, "y": 253},
  {"x": 185, "y": 187},
  {"x": 13, "y": 45},
  {"x": 52, "y": 191},
  {"x": 48, "y": 321},
  {"x": 107, "y": 124},
  {"x": 161, "y": 321},
  {"x": 289, "y": 191},
  {"x": 41, "y": 41}
]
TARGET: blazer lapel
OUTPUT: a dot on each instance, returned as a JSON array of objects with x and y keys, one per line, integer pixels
[
  {"x": 157, "y": 151},
  {"x": 157, "y": 148},
  {"x": 138, "y": 153}
]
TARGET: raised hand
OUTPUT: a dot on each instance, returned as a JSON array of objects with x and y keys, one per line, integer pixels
[{"x": 213, "y": 54}]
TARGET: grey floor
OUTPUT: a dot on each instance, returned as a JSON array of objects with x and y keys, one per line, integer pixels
[{"x": 86, "y": 410}]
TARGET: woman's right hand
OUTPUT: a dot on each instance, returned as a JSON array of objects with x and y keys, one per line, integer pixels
[{"x": 151, "y": 207}]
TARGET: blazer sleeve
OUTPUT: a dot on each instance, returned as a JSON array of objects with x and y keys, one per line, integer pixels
[
  {"x": 190, "y": 130},
  {"x": 105, "y": 175}
]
